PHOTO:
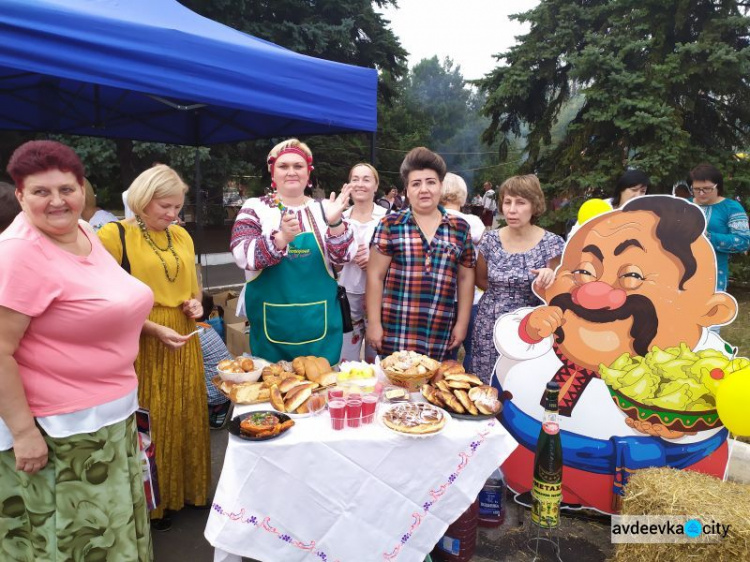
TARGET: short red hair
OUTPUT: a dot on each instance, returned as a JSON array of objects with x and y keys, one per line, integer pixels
[{"x": 38, "y": 156}]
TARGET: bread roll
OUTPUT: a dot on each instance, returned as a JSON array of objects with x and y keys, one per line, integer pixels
[
  {"x": 463, "y": 397},
  {"x": 452, "y": 402},
  {"x": 457, "y": 384},
  {"x": 288, "y": 384},
  {"x": 305, "y": 407},
  {"x": 323, "y": 365},
  {"x": 327, "y": 379},
  {"x": 311, "y": 369},
  {"x": 225, "y": 364},
  {"x": 488, "y": 406},
  {"x": 248, "y": 393},
  {"x": 464, "y": 377},
  {"x": 299, "y": 398},
  {"x": 246, "y": 364},
  {"x": 450, "y": 366},
  {"x": 277, "y": 400},
  {"x": 299, "y": 365},
  {"x": 299, "y": 388},
  {"x": 484, "y": 392}
]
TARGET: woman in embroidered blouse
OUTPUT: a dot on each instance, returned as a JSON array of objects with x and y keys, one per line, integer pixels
[
  {"x": 70, "y": 319},
  {"x": 726, "y": 220},
  {"x": 511, "y": 259},
  {"x": 169, "y": 364},
  {"x": 288, "y": 243},
  {"x": 421, "y": 263},
  {"x": 362, "y": 217}
]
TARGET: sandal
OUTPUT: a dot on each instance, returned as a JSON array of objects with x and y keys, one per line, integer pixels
[{"x": 219, "y": 415}]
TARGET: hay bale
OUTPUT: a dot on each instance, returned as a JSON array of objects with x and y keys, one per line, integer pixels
[{"x": 666, "y": 491}]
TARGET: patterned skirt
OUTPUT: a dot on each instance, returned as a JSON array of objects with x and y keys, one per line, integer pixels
[
  {"x": 172, "y": 387},
  {"x": 87, "y": 503}
]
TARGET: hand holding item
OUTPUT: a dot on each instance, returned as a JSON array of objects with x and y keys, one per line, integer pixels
[
  {"x": 337, "y": 205},
  {"x": 543, "y": 322},
  {"x": 544, "y": 277},
  {"x": 192, "y": 308},
  {"x": 30, "y": 450},
  {"x": 170, "y": 338},
  {"x": 289, "y": 228}
]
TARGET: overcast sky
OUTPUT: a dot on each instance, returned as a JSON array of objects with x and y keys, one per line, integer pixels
[{"x": 467, "y": 31}]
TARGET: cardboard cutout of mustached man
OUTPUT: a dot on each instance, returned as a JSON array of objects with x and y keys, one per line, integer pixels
[{"x": 629, "y": 280}]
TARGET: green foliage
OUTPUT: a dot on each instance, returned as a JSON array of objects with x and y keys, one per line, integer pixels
[{"x": 660, "y": 85}]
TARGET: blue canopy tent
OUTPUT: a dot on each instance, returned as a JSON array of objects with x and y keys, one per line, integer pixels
[{"x": 154, "y": 70}]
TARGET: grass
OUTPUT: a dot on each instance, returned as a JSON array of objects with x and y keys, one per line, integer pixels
[{"x": 738, "y": 332}]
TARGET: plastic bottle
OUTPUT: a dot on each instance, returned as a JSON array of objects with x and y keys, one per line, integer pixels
[
  {"x": 492, "y": 501},
  {"x": 460, "y": 539}
]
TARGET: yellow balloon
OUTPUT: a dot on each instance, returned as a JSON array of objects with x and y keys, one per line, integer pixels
[
  {"x": 592, "y": 208},
  {"x": 732, "y": 399}
]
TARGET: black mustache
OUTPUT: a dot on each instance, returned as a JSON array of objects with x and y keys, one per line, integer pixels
[{"x": 642, "y": 310}]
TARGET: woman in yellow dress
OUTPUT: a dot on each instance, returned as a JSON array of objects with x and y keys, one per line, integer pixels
[{"x": 169, "y": 364}]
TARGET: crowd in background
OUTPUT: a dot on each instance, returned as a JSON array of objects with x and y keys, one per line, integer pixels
[{"x": 107, "y": 324}]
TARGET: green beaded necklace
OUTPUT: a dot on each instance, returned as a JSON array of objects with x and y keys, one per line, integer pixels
[{"x": 158, "y": 251}]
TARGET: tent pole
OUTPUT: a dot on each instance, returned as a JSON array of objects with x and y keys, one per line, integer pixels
[
  {"x": 199, "y": 246},
  {"x": 372, "y": 148}
]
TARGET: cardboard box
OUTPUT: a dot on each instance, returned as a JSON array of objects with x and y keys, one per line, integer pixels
[
  {"x": 238, "y": 339},
  {"x": 230, "y": 312},
  {"x": 220, "y": 299}
]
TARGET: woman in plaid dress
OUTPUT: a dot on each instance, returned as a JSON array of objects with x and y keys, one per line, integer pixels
[{"x": 422, "y": 260}]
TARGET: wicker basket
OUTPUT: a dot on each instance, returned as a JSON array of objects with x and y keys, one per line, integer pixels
[{"x": 410, "y": 382}]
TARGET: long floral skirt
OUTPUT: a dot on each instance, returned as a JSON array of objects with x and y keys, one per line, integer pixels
[
  {"x": 87, "y": 503},
  {"x": 172, "y": 387}
]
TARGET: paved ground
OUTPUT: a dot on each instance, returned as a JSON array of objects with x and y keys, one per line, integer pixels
[{"x": 580, "y": 540}]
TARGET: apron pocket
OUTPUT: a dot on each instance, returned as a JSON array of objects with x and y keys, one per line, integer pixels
[{"x": 295, "y": 324}]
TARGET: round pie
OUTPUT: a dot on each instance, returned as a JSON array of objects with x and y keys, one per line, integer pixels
[{"x": 414, "y": 418}]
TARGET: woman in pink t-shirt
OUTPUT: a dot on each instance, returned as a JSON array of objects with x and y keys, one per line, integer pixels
[{"x": 70, "y": 319}]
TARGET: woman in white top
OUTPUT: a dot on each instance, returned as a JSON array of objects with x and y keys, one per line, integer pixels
[
  {"x": 288, "y": 244},
  {"x": 453, "y": 198},
  {"x": 363, "y": 217}
]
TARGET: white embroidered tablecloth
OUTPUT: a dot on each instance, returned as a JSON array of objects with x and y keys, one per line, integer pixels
[{"x": 314, "y": 494}]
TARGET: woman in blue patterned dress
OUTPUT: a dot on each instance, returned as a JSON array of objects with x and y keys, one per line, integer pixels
[
  {"x": 510, "y": 260},
  {"x": 726, "y": 220}
]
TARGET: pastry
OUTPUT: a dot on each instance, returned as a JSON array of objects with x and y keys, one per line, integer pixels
[
  {"x": 466, "y": 402},
  {"x": 246, "y": 364},
  {"x": 468, "y": 378},
  {"x": 483, "y": 392},
  {"x": 450, "y": 366},
  {"x": 451, "y": 402},
  {"x": 277, "y": 400},
  {"x": 414, "y": 418},
  {"x": 298, "y": 398}
]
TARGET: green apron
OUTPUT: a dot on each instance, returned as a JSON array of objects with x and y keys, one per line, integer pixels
[{"x": 292, "y": 306}]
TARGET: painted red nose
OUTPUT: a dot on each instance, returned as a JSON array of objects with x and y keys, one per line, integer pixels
[{"x": 598, "y": 295}]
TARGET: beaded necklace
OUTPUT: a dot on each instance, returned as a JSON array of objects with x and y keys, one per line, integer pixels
[{"x": 158, "y": 251}]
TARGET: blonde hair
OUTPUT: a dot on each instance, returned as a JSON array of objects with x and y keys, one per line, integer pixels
[
  {"x": 529, "y": 188},
  {"x": 366, "y": 165},
  {"x": 454, "y": 190},
  {"x": 88, "y": 190},
  {"x": 155, "y": 183},
  {"x": 289, "y": 143}
]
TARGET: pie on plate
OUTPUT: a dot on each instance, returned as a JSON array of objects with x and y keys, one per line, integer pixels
[{"x": 414, "y": 418}]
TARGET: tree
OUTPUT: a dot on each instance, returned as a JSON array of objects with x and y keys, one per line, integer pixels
[
  {"x": 664, "y": 85},
  {"x": 440, "y": 110}
]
